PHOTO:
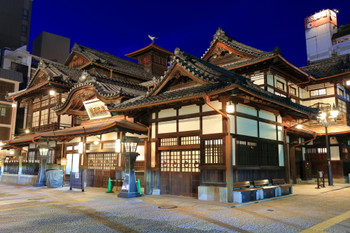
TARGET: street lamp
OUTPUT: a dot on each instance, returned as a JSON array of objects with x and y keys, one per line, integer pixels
[
  {"x": 326, "y": 118},
  {"x": 43, "y": 153},
  {"x": 129, "y": 188}
]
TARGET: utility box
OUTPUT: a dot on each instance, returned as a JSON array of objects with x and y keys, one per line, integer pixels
[{"x": 306, "y": 170}]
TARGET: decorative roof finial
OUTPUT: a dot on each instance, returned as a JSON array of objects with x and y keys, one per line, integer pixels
[{"x": 152, "y": 38}]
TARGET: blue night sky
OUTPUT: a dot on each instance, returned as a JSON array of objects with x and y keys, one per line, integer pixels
[{"x": 120, "y": 27}]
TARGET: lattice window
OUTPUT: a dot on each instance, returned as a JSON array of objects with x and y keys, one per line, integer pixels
[
  {"x": 180, "y": 161},
  {"x": 175, "y": 161},
  {"x": 31, "y": 157},
  {"x": 35, "y": 121},
  {"x": 105, "y": 161},
  {"x": 44, "y": 117},
  {"x": 213, "y": 151},
  {"x": 190, "y": 161},
  {"x": 53, "y": 116},
  {"x": 168, "y": 142},
  {"x": 341, "y": 106},
  {"x": 190, "y": 140},
  {"x": 165, "y": 164},
  {"x": 91, "y": 161}
]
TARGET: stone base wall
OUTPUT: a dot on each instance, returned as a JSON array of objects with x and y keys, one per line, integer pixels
[
  {"x": 17, "y": 179},
  {"x": 212, "y": 193}
]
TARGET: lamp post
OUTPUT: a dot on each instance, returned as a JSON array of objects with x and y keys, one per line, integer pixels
[
  {"x": 129, "y": 188},
  {"x": 43, "y": 152},
  {"x": 326, "y": 118}
]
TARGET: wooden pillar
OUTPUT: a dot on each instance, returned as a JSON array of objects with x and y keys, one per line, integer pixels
[
  {"x": 286, "y": 156},
  {"x": 292, "y": 164},
  {"x": 228, "y": 153}
]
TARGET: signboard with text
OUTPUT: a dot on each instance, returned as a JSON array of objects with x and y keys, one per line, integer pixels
[{"x": 96, "y": 109}]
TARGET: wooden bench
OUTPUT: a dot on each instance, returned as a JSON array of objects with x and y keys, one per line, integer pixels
[
  {"x": 268, "y": 190},
  {"x": 243, "y": 193},
  {"x": 286, "y": 189}
]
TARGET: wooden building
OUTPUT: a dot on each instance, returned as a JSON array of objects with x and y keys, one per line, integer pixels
[
  {"x": 195, "y": 144},
  {"x": 207, "y": 122},
  {"x": 67, "y": 105}
]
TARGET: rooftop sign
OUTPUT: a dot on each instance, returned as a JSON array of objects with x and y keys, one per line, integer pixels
[{"x": 320, "y": 18}]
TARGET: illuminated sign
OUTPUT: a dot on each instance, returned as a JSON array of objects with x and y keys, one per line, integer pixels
[
  {"x": 96, "y": 109},
  {"x": 320, "y": 18}
]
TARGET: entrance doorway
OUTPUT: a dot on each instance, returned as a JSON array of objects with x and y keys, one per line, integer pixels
[{"x": 180, "y": 172}]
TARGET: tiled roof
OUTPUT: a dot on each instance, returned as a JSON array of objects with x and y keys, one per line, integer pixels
[
  {"x": 58, "y": 72},
  {"x": 221, "y": 36},
  {"x": 218, "y": 79},
  {"x": 106, "y": 87},
  {"x": 112, "y": 62},
  {"x": 328, "y": 67},
  {"x": 248, "y": 61}
]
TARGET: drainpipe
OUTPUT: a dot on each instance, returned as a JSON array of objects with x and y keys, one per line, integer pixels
[{"x": 228, "y": 151}]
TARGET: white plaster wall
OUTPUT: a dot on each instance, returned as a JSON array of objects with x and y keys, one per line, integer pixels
[
  {"x": 247, "y": 127},
  {"x": 280, "y": 155},
  {"x": 335, "y": 153},
  {"x": 66, "y": 120},
  {"x": 267, "y": 131},
  {"x": 246, "y": 109},
  {"x": 232, "y": 124},
  {"x": 77, "y": 139},
  {"x": 170, "y": 112},
  {"x": 267, "y": 115},
  {"x": 153, "y": 130},
  {"x": 304, "y": 93},
  {"x": 109, "y": 136},
  {"x": 92, "y": 139},
  {"x": 190, "y": 109},
  {"x": 269, "y": 89},
  {"x": 154, "y": 115},
  {"x": 167, "y": 127},
  {"x": 216, "y": 104},
  {"x": 153, "y": 154},
  {"x": 189, "y": 124},
  {"x": 269, "y": 79},
  {"x": 279, "y": 119},
  {"x": 212, "y": 124},
  {"x": 280, "y": 133},
  {"x": 141, "y": 150}
]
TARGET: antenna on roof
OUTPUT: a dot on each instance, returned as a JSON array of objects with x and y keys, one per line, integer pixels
[{"x": 152, "y": 38}]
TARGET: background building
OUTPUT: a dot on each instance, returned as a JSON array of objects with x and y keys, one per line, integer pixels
[
  {"x": 15, "y": 23},
  {"x": 323, "y": 38},
  {"x": 51, "y": 46}
]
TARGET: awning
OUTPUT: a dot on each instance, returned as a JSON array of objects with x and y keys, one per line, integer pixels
[
  {"x": 86, "y": 129},
  {"x": 94, "y": 128}
]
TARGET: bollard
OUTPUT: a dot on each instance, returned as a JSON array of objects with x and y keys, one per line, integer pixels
[
  {"x": 139, "y": 187},
  {"x": 320, "y": 180},
  {"x": 110, "y": 186}
]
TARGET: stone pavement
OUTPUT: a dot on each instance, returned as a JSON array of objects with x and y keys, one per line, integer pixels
[{"x": 33, "y": 209}]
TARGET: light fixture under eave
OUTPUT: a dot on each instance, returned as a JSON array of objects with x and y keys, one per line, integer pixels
[
  {"x": 118, "y": 146},
  {"x": 27, "y": 131},
  {"x": 14, "y": 105},
  {"x": 96, "y": 142},
  {"x": 52, "y": 92},
  {"x": 299, "y": 126},
  {"x": 230, "y": 108}
]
